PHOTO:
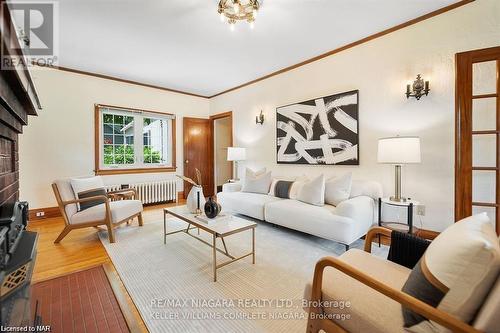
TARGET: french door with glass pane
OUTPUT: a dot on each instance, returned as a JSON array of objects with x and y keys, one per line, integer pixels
[{"x": 477, "y": 177}]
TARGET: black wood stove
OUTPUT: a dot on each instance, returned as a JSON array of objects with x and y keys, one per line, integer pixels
[{"x": 17, "y": 259}]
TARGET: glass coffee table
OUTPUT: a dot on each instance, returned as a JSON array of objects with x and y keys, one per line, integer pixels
[{"x": 217, "y": 229}]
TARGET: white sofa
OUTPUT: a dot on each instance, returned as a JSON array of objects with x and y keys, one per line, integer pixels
[{"x": 345, "y": 223}]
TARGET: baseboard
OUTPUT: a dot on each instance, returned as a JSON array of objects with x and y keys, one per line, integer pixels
[
  {"x": 51, "y": 212},
  {"x": 48, "y": 213}
]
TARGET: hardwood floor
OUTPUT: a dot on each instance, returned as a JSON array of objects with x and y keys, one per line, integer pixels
[{"x": 79, "y": 250}]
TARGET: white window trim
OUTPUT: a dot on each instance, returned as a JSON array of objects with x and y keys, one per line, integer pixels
[{"x": 138, "y": 116}]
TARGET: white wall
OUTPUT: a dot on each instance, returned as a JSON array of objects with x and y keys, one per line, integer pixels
[
  {"x": 60, "y": 141},
  {"x": 380, "y": 70}
]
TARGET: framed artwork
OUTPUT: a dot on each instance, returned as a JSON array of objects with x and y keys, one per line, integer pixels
[{"x": 319, "y": 131}]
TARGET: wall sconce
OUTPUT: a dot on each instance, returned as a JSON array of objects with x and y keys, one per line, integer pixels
[
  {"x": 260, "y": 118},
  {"x": 418, "y": 89}
]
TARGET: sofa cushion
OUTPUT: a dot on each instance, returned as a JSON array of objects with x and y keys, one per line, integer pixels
[
  {"x": 313, "y": 192},
  {"x": 252, "y": 173},
  {"x": 458, "y": 270},
  {"x": 275, "y": 180},
  {"x": 369, "y": 310},
  {"x": 257, "y": 183},
  {"x": 282, "y": 188},
  {"x": 120, "y": 210},
  {"x": 249, "y": 204},
  {"x": 338, "y": 189},
  {"x": 320, "y": 221},
  {"x": 367, "y": 188},
  {"x": 297, "y": 186}
]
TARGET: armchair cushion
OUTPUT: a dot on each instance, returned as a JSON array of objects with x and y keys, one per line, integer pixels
[
  {"x": 67, "y": 194},
  {"x": 91, "y": 193},
  {"x": 120, "y": 210},
  {"x": 88, "y": 187},
  {"x": 457, "y": 271},
  {"x": 369, "y": 310},
  {"x": 487, "y": 319}
]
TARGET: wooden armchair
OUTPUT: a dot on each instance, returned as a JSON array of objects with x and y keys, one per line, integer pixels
[
  {"x": 109, "y": 213},
  {"x": 373, "y": 287}
]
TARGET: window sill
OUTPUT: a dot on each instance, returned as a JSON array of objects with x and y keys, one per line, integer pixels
[{"x": 103, "y": 172}]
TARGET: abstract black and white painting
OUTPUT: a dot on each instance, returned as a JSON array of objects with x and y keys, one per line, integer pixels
[{"x": 320, "y": 131}]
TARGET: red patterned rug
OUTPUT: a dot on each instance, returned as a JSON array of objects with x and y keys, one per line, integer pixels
[{"x": 79, "y": 302}]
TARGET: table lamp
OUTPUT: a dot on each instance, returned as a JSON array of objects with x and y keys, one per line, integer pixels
[
  {"x": 399, "y": 150},
  {"x": 236, "y": 154}
]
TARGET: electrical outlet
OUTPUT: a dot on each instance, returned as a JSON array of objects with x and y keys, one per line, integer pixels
[
  {"x": 421, "y": 210},
  {"x": 40, "y": 214}
]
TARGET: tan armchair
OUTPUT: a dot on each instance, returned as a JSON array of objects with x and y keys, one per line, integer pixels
[
  {"x": 372, "y": 286},
  {"x": 109, "y": 213}
]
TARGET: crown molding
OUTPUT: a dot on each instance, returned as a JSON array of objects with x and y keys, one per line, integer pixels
[
  {"x": 283, "y": 70},
  {"x": 351, "y": 45},
  {"x": 113, "y": 78}
]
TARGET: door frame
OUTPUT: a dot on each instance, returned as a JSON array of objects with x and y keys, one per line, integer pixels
[
  {"x": 463, "y": 131},
  {"x": 211, "y": 154}
]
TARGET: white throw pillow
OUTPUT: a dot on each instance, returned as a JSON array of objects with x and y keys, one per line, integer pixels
[
  {"x": 251, "y": 173},
  {"x": 257, "y": 184},
  {"x": 297, "y": 186},
  {"x": 313, "y": 192},
  {"x": 461, "y": 264},
  {"x": 338, "y": 189}
]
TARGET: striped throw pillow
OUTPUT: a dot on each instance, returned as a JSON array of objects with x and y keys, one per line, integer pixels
[{"x": 88, "y": 194}]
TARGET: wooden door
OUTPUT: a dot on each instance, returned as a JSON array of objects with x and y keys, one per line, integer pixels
[
  {"x": 477, "y": 142},
  {"x": 196, "y": 153}
]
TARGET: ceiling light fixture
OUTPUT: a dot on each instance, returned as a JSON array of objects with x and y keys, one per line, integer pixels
[{"x": 239, "y": 10}]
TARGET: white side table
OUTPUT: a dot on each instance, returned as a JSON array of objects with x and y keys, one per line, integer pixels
[
  {"x": 408, "y": 204},
  {"x": 231, "y": 187}
]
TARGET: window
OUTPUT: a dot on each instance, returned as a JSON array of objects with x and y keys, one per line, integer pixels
[{"x": 130, "y": 140}]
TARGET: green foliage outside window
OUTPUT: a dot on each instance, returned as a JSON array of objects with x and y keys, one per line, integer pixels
[
  {"x": 119, "y": 141},
  {"x": 151, "y": 156}
]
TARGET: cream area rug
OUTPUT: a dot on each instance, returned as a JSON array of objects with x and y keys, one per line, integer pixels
[{"x": 172, "y": 287}]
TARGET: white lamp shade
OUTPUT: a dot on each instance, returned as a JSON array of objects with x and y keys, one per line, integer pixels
[
  {"x": 399, "y": 150},
  {"x": 236, "y": 154}
]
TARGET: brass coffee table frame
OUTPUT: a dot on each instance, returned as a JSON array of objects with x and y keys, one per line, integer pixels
[{"x": 200, "y": 225}]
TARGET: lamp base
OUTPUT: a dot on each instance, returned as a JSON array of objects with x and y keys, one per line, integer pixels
[{"x": 400, "y": 199}]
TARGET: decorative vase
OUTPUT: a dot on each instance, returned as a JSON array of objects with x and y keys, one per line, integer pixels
[
  {"x": 195, "y": 200},
  {"x": 212, "y": 208}
]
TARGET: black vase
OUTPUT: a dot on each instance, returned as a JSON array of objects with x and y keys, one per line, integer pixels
[{"x": 212, "y": 208}]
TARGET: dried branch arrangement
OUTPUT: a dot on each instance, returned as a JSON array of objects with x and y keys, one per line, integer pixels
[
  {"x": 189, "y": 180},
  {"x": 198, "y": 176}
]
